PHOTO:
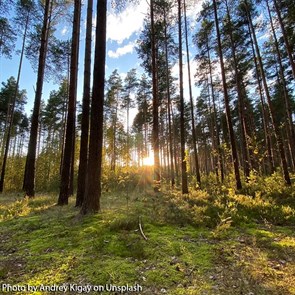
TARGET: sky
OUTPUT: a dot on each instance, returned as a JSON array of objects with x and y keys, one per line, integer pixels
[{"x": 123, "y": 29}]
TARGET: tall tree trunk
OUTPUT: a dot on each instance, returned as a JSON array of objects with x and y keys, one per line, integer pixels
[
  {"x": 227, "y": 107},
  {"x": 155, "y": 135},
  {"x": 82, "y": 172},
  {"x": 92, "y": 196},
  {"x": 29, "y": 176},
  {"x": 114, "y": 146},
  {"x": 175, "y": 147},
  {"x": 70, "y": 128},
  {"x": 198, "y": 175},
  {"x": 241, "y": 105},
  {"x": 215, "y": 123},
  {"x": 265, "y": 122},
  {"x": 184, "y": 184},
  {"x": 172, "y": 174},
  {"x": 286, "y": 40},
  {"x": 72, "y": 167},
  {"x": 270, "y": 105},
  {"x": 291, "y": 132},
  {"x": 65, "y": 116}
]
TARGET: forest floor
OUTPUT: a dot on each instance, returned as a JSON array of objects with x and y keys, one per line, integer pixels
[{"x": 196, "y": 244}]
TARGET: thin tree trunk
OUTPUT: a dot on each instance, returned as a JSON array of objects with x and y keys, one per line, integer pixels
[
  {"x": 227, "y": 107},
  {"x": 13, "y": 106},
  {"x": 270, "y": 105},
  {"x": 72, "y": 168},
  {"x": 82, "y": 173},
  {"x": 172, "y": 174},
  {"x": 270, "y": 169},
  {"x": 92, "y": 196},
  {"x": 213, "y": 156},
  {"x": 241, "y": 105},
  {"x": 217, "y": 129},
  {"x": 70, "y": 128},
  {"x": 291, "y": 133},
  {"x": 64, "y": 117},
  {"x": 184, "y": 185},
  {"x": 198, "y": 175},
  {"x": 29, "y": 176},
  {"x": 155, "y": 135},
  {"x": 286, "y": 40},
  {"x": 114, "y": 151}
]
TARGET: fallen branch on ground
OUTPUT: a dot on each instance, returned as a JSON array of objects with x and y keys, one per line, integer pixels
[{"x": 140, "y": 229}]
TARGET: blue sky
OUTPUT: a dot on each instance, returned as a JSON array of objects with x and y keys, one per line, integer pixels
[{"x": 123, "y": 30}]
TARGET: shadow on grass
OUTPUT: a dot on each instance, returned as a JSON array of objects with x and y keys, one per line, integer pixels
[{"x": 46, "y": 244}]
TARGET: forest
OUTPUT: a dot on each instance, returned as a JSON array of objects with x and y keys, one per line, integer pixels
[{"x": 167, "y": 168}]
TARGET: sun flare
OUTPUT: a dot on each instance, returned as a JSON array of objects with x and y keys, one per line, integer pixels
[{"x": 148, "y": 161}]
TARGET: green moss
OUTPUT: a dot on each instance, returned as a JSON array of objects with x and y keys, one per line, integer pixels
[{"x": 55, "y": 244}]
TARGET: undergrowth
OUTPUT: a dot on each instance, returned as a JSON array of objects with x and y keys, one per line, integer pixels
[{"x": 211, "y": 241}]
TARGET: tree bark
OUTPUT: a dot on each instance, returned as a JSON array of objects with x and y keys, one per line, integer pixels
[
  {"x": 172, "y": 174},
  {"x": 265, "y": 122},
  {"x": 83, "y": 162},
  {"x": 227, "y": 107},
  {"x": 184, "y": 184},
  {"x": 92, "y": 196},
  {"x": 70, "y": 128},
  {"x": 291, "y": 132},
  {"x": 286, "y": 40},
  {"x": 270, "y": 105},
  {"x": 241, "y": 104},
  {"x": 29, "y": 176},
  {"x": 196, "y": 160},
  {"x": 157, "y": 177},
  {"x": 215, "y": 123}
]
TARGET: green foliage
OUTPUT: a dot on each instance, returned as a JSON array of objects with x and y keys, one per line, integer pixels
[
  {"x": 7, "y": 39},
  {"x": 123, "y": 178},
  {"x": 14, "y": 173},
  {"x": 7, "y": 95}
]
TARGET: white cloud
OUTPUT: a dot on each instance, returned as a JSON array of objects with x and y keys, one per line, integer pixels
[
  {"x": 121, "y": 26},
  {"x": 123, "y": 75},
  {"x": 122, "y": 50}
]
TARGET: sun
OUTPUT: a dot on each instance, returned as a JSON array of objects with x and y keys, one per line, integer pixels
[{"x": 148, "y": 161}]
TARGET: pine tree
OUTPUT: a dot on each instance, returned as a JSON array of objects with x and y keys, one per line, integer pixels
[
  {"x": 29, "y": 177},
  {"x": 226, "y": 102},
  {"x": 83, "y": 161},
  {"x": 69, "y": 154},
  {"x": 91, "y": 202}
]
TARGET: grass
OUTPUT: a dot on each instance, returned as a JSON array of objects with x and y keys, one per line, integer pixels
[{"x": 207, "y": 242}]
